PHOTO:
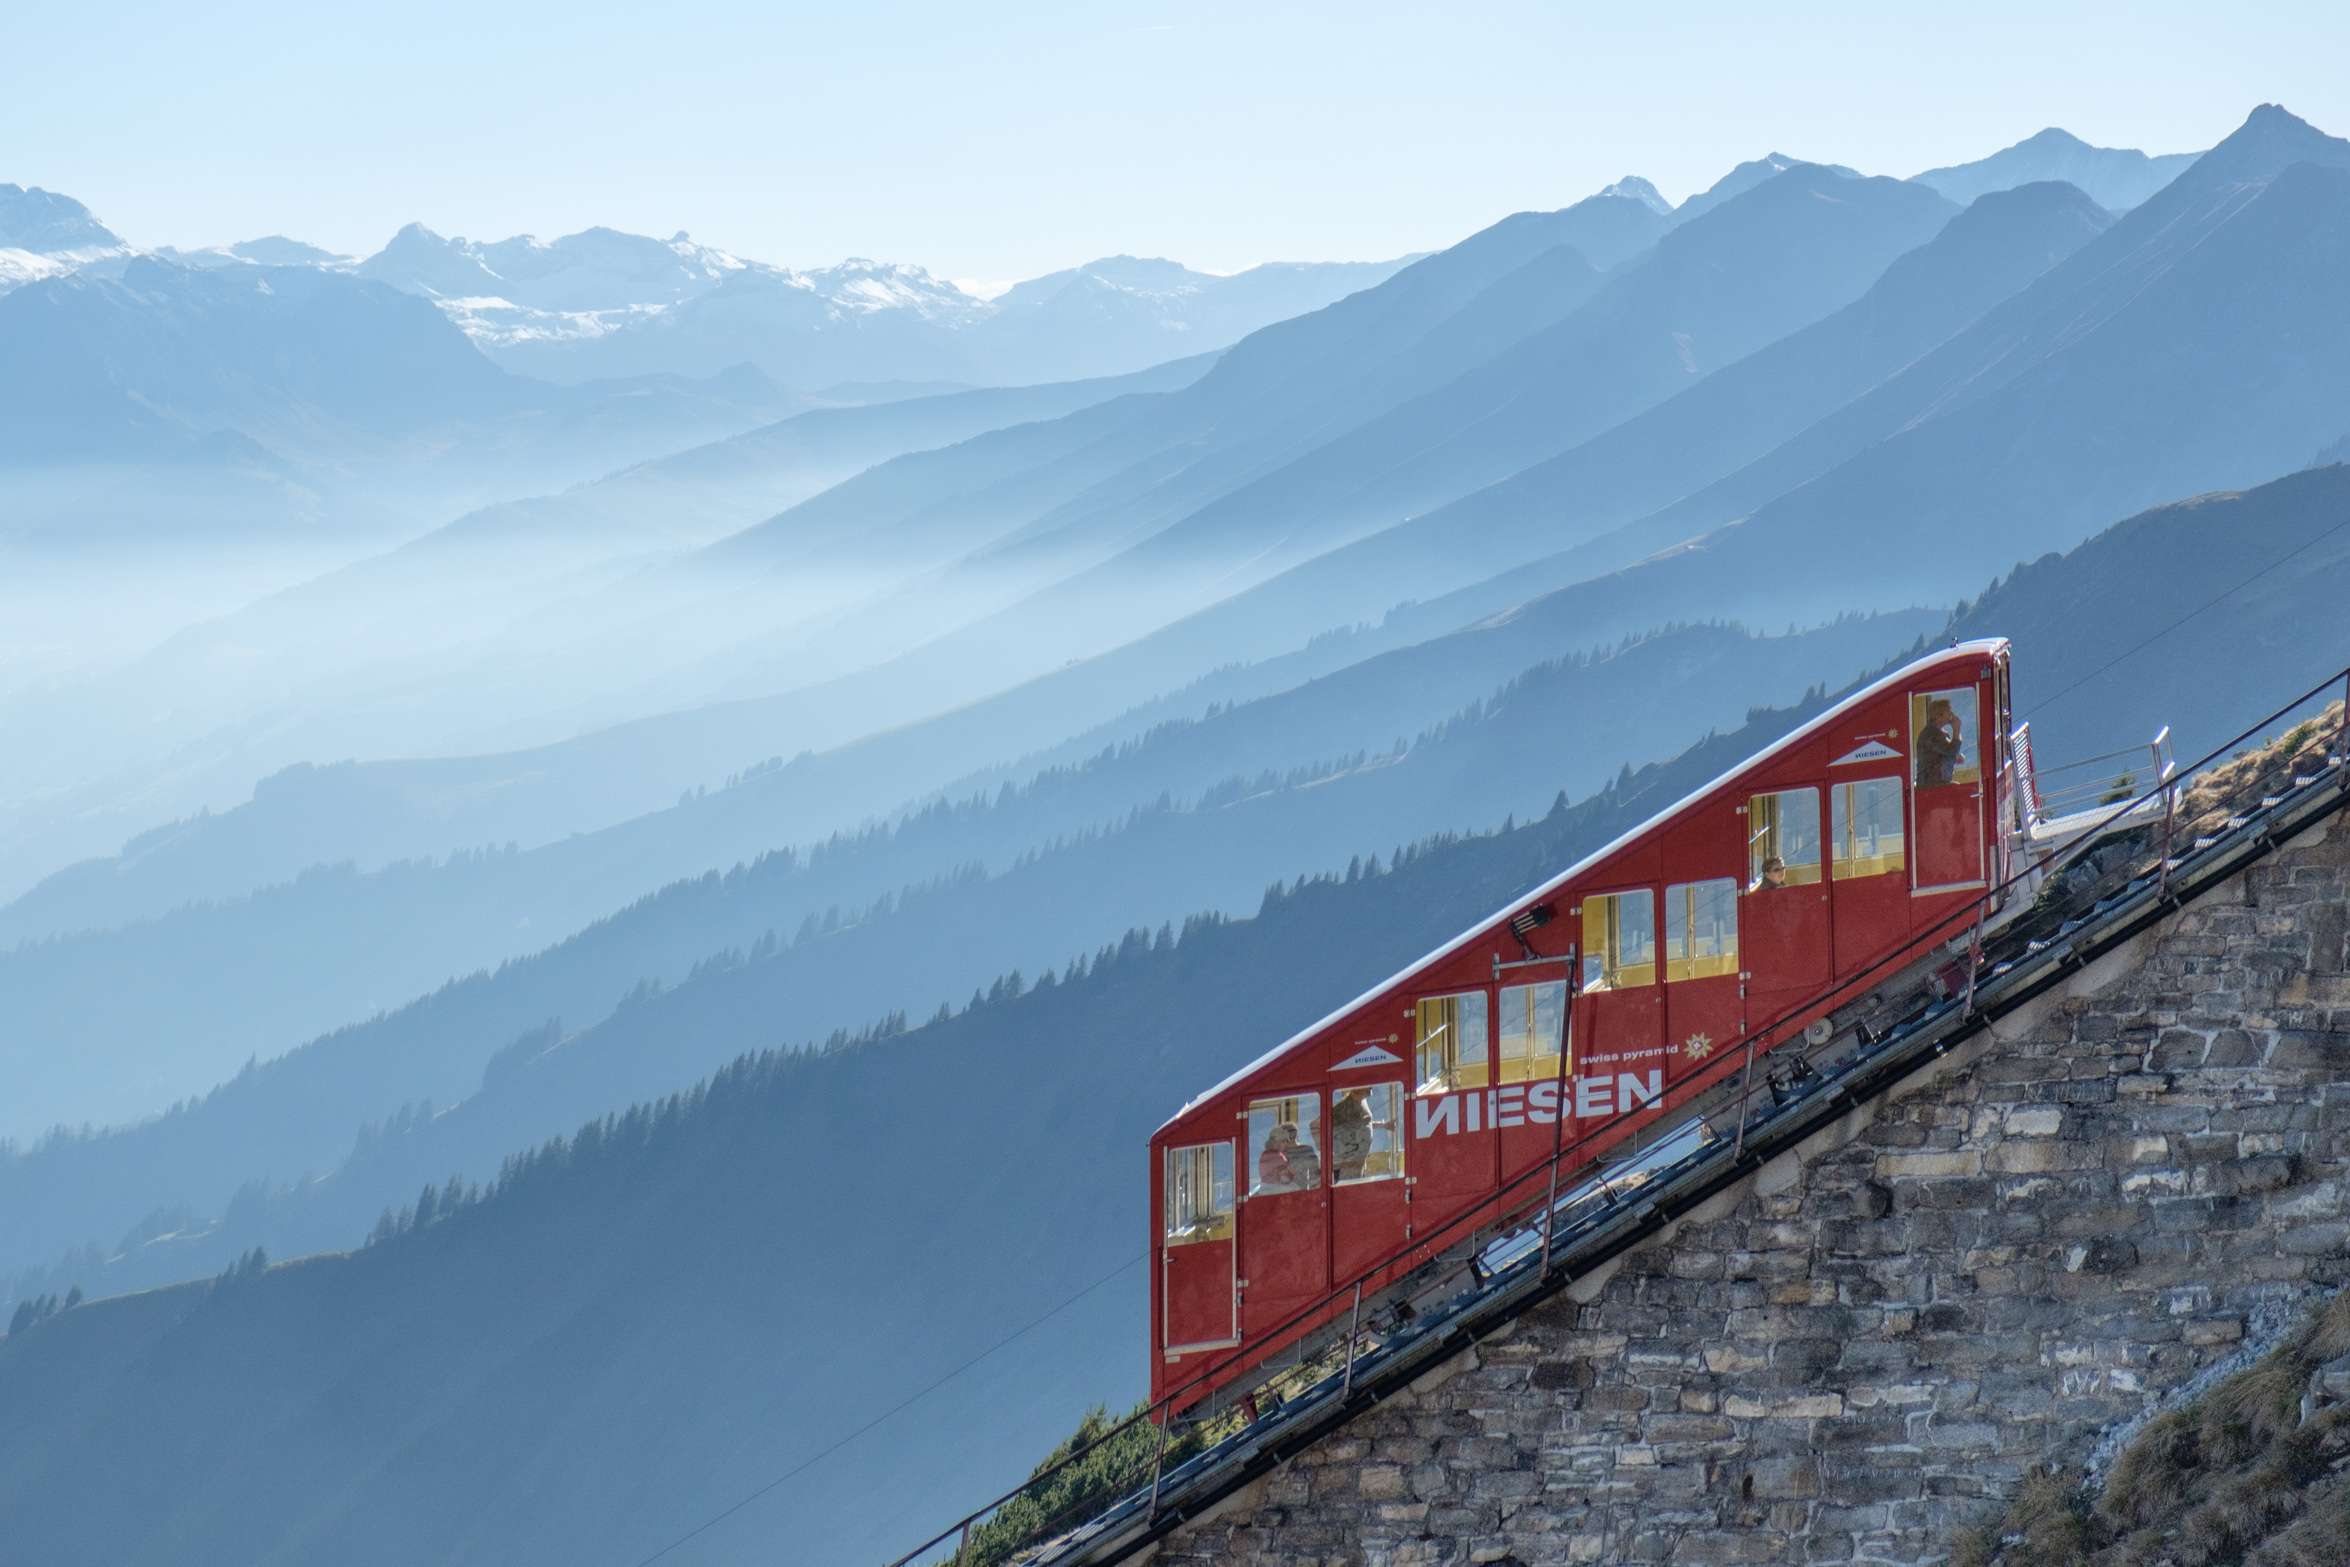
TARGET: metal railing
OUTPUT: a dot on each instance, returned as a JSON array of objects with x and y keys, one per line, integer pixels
[
  {"x": 1509, "y": 1271},
  {"x": 2087, "y": 793}
]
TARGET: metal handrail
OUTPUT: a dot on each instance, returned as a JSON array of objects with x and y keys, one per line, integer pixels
[
  {"x": 2168, "y": 787},
  {"x": 2102, "y": 756}
]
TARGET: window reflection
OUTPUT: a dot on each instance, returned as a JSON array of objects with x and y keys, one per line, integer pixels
[
  {"x": 1366, "y": 1133},
  {"x": 1783, "y": 840},
  {"x": 1283, "y": 1155},
  {"x": 1619, "y": 940},
  {"x": 1701, "y": 929},
  {"x": 1199, "y": 1194},
  {"x": 1533, "y": 1027},
  {"x": 1943, "y": 748},
  {"x": 1867, "y": 827},
  {"x": 1450, "y": 1037}
]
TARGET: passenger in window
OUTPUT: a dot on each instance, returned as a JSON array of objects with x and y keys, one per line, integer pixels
[
  {"x": 1288, "y": 1163},
  {"x": 1773, "y": 877},
  {"x": 1939, "y": 745},
  {"x": 1305, "y": 1164},
  {"x": 1350, "y": 1134}
]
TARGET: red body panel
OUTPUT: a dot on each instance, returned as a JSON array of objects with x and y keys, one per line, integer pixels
[
  {"x": 1197, "y": 1281},
  {"x": 1903, "y": 830}
]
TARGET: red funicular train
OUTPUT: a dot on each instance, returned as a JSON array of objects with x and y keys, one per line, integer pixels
[{"x": 1342, "y": 1153}]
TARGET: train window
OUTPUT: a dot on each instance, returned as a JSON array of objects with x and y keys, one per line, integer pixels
[
  {"x": 1866, "y": 825},
  {"x": 1366, "y": 1133},
  {"x": 1701, "y": 929},
  {"x": 1533, "y": 1027},
  {"x": 1283, "y": 1153},
  {"x": 1199, "y": 1194},
  {"x": 1943, "y": 738},
  {"x": 1783, "y": 840},
  {"x": 1450, "y": 1035},
  {"x": 1619, "y": 940}
]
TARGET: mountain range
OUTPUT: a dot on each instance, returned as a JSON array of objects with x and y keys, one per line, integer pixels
[
  {"x": 623, "y": 941},
  {"x": 602, "y": 303},
  {"x": 2116, "y": 178}
]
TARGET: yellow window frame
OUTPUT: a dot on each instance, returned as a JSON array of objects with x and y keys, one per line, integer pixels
[
  {"x": 1845, "y": 860},
  {"x": 1380, "y": 1164},
  {"x": 1440, "y": 1062},
  {"x": 1192, "y": 1169},
  {"x": 1765, "y": 819},
  {"x": 1517, "y": 1056},
  {"x": 1604, "y": 965},
  {"x": 1682, "y": 959}
]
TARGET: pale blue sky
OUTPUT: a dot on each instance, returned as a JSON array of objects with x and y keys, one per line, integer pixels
[{"x": 999, "y": 141}]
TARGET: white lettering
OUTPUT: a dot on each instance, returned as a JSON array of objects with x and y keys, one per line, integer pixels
[
  {"x": 1434, "y": 1116},
  {"x": 1519, "y": 1104}
]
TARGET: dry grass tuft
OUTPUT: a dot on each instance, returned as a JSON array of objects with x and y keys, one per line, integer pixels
[
  {"x": 2248, "y": 1413},
  {"x": 1977, "y": 1547},
  {"x": 2152, "y": 1472},
  {"x": 2325, "y": 1336},
  {"x": 2320, "y": 1539},
  {"x": 2302, "y": 749},
  {"x": 2050, "y": 1515}
]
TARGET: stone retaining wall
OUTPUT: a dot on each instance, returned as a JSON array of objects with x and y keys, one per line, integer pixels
[{"x": 1863, "y": 1348}]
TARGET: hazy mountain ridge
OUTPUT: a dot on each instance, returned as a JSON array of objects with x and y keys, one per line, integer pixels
[
  {"x": 2167, "y": 395},
  {"x": 603, "y": 303},
  {"x": 1022, "y": 863},
  {"x": 1361, "y": 348},
  {"x": 1976, "y": 261},
  {"x": 2274, "y": 555},
  {"x": 2116, "y": 178},
  {"x": 595, "y": 270},
  {"x": 1113, "y": 571},
  {"x": 357, "y": 635},
  {"x": 210, "y": 986},
  {"x": 2144, "y": 364},
  {"x": 710, "y": 769},
  {"x": 312, "y": 369},
  {"x": 1745, "y": 177},
  {"x": 1237, "y": 367}
]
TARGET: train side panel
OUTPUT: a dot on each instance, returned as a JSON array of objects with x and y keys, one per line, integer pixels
[{"x": 1433, "y": 1104}]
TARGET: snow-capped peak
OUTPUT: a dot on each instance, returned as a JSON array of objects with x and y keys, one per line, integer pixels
[
  {"x": 44, "y": 234},
  {"x": 1637, "y": 189},
  {"x": 44, "y": 223}
]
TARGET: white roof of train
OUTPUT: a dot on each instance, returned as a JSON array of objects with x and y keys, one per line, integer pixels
[{"x": 1901, "y": 676}]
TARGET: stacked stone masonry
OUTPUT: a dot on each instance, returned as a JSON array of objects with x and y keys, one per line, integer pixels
[{"x": 1863, "y": 1349}]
